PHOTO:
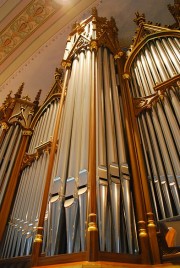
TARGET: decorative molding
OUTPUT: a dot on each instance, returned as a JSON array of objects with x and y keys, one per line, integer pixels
[
  {"x": 25, "y": 24},
  {"x": 63, "y": 31}
]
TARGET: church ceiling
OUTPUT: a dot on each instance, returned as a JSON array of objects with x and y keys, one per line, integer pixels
[{"x": 33, "y": 34}]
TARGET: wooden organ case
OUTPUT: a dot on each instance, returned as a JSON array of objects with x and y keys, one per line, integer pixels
[{"x": 101, "y": 168}]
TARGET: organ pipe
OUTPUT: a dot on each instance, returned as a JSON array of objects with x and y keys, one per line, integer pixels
[
  {"x": 76, "y": 188},
  {"x": 159, "y": 62}
]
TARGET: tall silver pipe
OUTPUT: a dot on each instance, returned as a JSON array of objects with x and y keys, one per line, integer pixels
[
  {"x": 12, "y": 217},
  {"x": 48, "y": 122},
  {"x": 175, "y": 103},
  {"x": 168, "y": 138},
  {"x": 142, "y": 73},
  {"x": 9, "y": 151},
  {"x": 152, "y": 66},
  {"x": 122, "y": 160},
  {"x": 159, "y": 63},
  {"x": 102, "y": 190},
  {"x": 145, "y": 135},
  {"x": 170, "y": 52},
  {"x": 109, "y": 117},
  {"x": 165, "y": 58},
  {"x": 34, "y": 136},
  {"x": 22, "y": 214},
  {"x": 128, "y": 211},
  {"x": 52, "y": 125},
  {"x": 8, "y": 173},
  {"x": 5, "y": 143},
  {"x": 42, "y": 178},
  {"x": 174, "y": 43},
  {"x": 167, "y": 162},
  {"x": 139, "y": 82},
  {"x": 136, "y": 90},
  {"x": 82, "y": 196},
  {"x": 75, "y": 147},
  {"x": 41, "y": 132},
  {"x": 101, "y": 140},
  {"x": 149, "y": 76},
  {"x": 86, "y": 112},
  {"x": 71, "y": 208},
  {"x": 66, "y": 135},
  {"x": 102, "y": 185},
  {"x": 159, "y": 164},
  {"x": 147, "y": 162}
]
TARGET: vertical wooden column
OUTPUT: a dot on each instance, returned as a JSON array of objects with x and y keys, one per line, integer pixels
[
  {"x": 92, "y": 233},
  {"x": 151, "y": 227},
  {"x": 37, "y": 245},
  {"x": 137, "y": 187},
  {"x": 6, "y": 207}
]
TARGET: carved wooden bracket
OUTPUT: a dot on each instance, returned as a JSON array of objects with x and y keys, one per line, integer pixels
[
  {"x": 30, "y": 158},
  {"x": 144, "y": 103}
]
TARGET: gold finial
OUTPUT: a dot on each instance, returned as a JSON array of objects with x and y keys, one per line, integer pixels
[
  {"x": 139, "y": 18},
  {"x": 75, "y": 25},
  {"x": 94, "y": 12},
  {"x": 19, "y": 92},
  {"x": 37, "y": 98},
  {"x": 94, "y": 45}
]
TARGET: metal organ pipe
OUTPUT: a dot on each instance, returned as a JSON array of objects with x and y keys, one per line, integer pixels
[
  {"x": 74, "y": 162},
  {"x": 171, "y": 54},
  {"x": 6, "y": 142},
  {"x": 109, "y": 117},
  {"x": 61, "y": 173},
  {"x": 8, "y": 173},
  {"x": 12, "y": 217},
  {"x": 167, "y": 162},
  {"x": 151, "y": 175},
  {"x": 25, "y": 213},
  {"x": 8, "y": 153},
  {"x": 157, "y": 62},
  {"x": 160, "y": 67},
  {"x": 102, "y": 185},
  {"x": 100, "y": 113},
  {"x": 174, "y": 43},
  {"x": 122, "y": 156},
  {"x": 86, "y": 113},
  {"x": 165, "y": 58},
  {"x": 65, "y": 141}
]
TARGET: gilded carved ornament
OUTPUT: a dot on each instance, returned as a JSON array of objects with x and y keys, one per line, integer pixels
[
  {"x": 145, "y": 103},
  {"x": 27, "y": 132},
  {"x": 142, "y": 229},
  {"x": 28, "y": 159},
  {"x": 118, "y": 55},
  {"x": 4, "y": 126},
  {"x": 94, "y": 45},
  {"x": 126, "y": 76},
  {"x": 66, "y": 64},
  {"x": 20, "y": 115}
]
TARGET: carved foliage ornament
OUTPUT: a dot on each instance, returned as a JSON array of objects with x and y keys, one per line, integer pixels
[{"x": 31, "y": 18}]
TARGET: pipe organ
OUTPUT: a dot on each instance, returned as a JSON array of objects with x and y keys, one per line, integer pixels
[
  {"x": 102, "y": 165},
  {"x": 155, "y": 63}
]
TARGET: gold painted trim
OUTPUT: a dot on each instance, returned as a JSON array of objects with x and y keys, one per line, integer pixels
[
  {"x": 126, "y": 76},
  {"x": 118, "y": 55},
  {"x": 4, "y": 126},
  {"x": 27, "y": 132},
  {"x": 94, "y": 45}
]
